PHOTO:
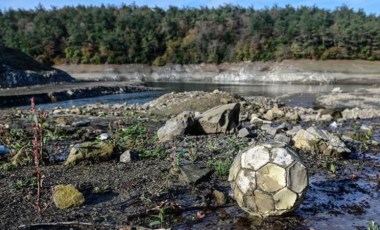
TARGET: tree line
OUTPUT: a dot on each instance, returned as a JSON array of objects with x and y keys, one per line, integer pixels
[{"x": 133, "y": 34}]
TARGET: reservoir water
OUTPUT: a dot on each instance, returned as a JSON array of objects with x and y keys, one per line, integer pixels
[{"x": 292, "y": 95}]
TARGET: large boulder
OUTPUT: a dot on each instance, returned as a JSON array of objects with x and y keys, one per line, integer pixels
[
  {"x": 220, "y": 119},
  {"x": 268, "y": 180},
  {"x": 89, "y": 151},
  {"x": 67, "y": 196},
  {"x": 318, "y": 140},
  {"x": 176, "y": 127}
]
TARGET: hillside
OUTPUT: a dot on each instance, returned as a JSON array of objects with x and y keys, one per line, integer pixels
[
  {"x": 17, "y": 69},
  {"x": 129, "y": 34}
]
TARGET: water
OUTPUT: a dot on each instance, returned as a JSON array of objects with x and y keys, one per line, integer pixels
[
  {"x": 130, "y": 98},
  {"x": 292, "y": 95}
]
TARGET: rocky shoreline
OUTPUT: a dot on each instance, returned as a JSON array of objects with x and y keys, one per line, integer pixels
[
  {"x": 287, "y": 71},
  {"x": 149, "y": 166},
  {"x": 61, "y": 92}
]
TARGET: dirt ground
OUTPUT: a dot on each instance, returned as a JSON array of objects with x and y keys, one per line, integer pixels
[{"x": 149, "y": 192}]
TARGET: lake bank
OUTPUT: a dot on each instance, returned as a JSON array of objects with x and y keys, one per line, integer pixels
[
  {"x": 68, "y": 91},
  {"x": 287, "y": 71}
]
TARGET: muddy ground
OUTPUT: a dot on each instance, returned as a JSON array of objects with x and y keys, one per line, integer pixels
[{"x": 149, "y": 192}]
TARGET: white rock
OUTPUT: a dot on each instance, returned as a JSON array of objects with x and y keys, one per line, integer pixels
[{"x": 103, "y": 136}]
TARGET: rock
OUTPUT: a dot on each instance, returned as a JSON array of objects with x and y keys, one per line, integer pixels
[
  {"x": 67, "y": 196},
  {"x": 360, "y": 113},
  {"x": 293, "y": 116},
  {"x": 337, "y": 90},
  {"x": 245, "y": 132},
  {"x": 89, "y": 151},
  {"x": 75, "y": 111},
  {"x": 274, "y": 113},
  {"x": 282, "y": 138},
  {"x": 293, "y": 131},
  {"x": 220, "y": 119},
  {"x": 176, "y": 127},
  {"x": 57, "y": 111},
  {"x": 256, "y": 120},
  {"x": 318, "y": 140},
  {"x": 225, "y": 100},
  {"x": 128, "y": 156},
  {"x": 81, "y": 123},
  {"x": 220, "y": 197},
  {"x": 329, "y": 114},
  {"x": 61, "y": 121},
  {"x": 193, "y": 174},
  {"x": 274, "y": 130},
  {"x": 269, "y": 115},
  {"x": 103, "y": 136},
  {"x": 268, "y": 180}
]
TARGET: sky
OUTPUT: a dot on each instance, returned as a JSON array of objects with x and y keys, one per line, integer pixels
[{"x": 369, "y": 6}]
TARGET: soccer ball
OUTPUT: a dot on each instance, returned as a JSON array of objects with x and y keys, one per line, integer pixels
[{"x": 268, "y": 180}]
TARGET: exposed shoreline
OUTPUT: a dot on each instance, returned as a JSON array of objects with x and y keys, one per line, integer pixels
[
  {"x": 289, "y": 71},
  {"x": 100, "y": 80},
  {"x": 61, "y": 92}
]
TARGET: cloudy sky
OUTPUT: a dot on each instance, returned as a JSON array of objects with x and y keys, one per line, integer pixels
[{"x": 369, "y": 6}]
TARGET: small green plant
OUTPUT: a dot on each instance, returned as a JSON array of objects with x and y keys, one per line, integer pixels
[
  {"x": 54, "y": 135},
  {"x": 221, "y": 167},
  {"x": 372, "y": 225},
  {"x": 161, "y": 218},
  {"x": 236, "y": 143},
  {"x": 329, "y": 164},
  {"x": 101, "y": 189},
  {"x": 212, "y": 146},
  {"x": 7, "y": 167},
  {"x": 157, "y": 152},
  {"x": 192, "y": 154},
  {"x": 28, "y": 182}
]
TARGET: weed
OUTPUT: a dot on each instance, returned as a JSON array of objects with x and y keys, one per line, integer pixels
[
  {"x": 37, "y": 147},
  {"x": 221, "y": 167},
  {"x": 192, "y": 154},
  {"x": 372, "y": 225},
  {"x": 7, "y": 167},
  {"x": 28, "y": 182},
  {"x": 160, "y": 218},
  {"x": 329, "y": 164},
  {"x": 138, "y": 137},
  {"x": 157, "y": 152},
  {"x": 212, "y": 146},
  {"x": 236, "y": 143},
  {"x": 101, "y": 189}
]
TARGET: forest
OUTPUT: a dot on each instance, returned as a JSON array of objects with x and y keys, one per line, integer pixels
[{"x": 155, "y": 36}]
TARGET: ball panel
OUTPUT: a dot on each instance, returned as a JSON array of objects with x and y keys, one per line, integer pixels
[
  {"x": 238, "y": 195},
  {"x": 281, "y": 157},
  {"x": 264, "y": 202},
  {"x": 297, "y": 178},
  {"x": 271, "y": 178},
  {"x": 235, "y": 168},
  {"x": 246, "y": 181},
  {"x": 255, "y": 157},
  {"x": 250, "y": 204},
  {"x": 285, "y": 199}
]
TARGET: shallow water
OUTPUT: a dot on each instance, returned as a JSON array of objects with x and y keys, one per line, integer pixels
[{"x": 292, "y": 95}]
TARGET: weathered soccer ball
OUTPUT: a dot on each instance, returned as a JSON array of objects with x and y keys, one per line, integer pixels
[{"x": 268, "y": 180}]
